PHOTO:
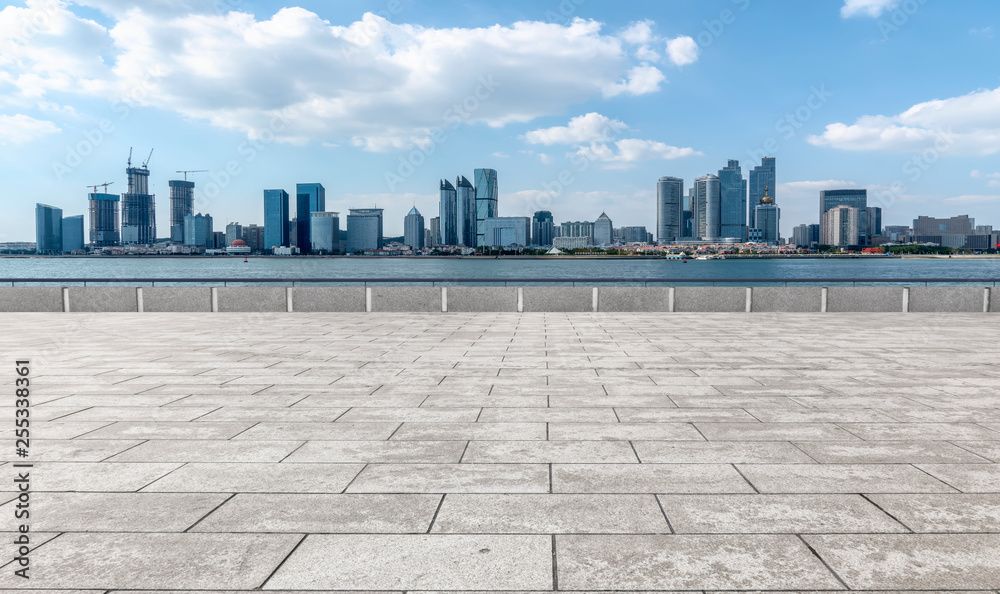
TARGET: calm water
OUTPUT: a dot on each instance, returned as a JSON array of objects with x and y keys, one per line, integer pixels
[{"x": 361, "y": 268}]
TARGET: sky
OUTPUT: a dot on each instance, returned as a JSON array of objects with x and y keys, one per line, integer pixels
[{"x": 580, "y": 105}]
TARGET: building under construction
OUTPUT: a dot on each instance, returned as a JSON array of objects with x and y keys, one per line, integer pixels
[
  {"x": 181, "y": 205},
  {"x": 104, "y": 230},
  {"x": 138, "y": 207}
]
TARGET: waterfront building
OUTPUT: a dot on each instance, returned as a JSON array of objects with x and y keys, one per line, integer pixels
[
  {"x": 104, "y": 228},
  {"x": 198, "y": 231},
  {"x": 542, "y": 224},
  {"x": 48, "y": 229},
  {"x": 275, "y": 219},
  {"x": 138, "y": 209},
  {"x": 435, "y": 229},
  {"x": 234, "y": 231},
  {"x": 487, "y": 201},
  {"x": 72, "y": 233},
  {"x": 767, "y": 217},
  {"x": 855, "y": 198},
  {"x": 239, "y": 248},
  {"x": 669, "y": 209},
  {"x": 763, "y": 177},
  {"x": 364, "y": 230},
  {"x": 571, "y": 243},
  {"x": 219, "y": 240},
  {"x": 897, "y": 232},
  {"x": 962, "y": 225},
  {"x": 181, "y": 205},
  {"x": 873, "y": 225},
  {"x": 805, "y": 236},
  {"x": 733, "y": 202},
  {"x": 984, "y": 229},
  {"x": 309, "y": 198},
  {"x": 253, "y": 237},
  {"x": 449, "y": 214},
  {"x": 632, "y": 235},
  {"x": 583, "y": 229},
  {"x": 604, "y": 230},
  {"x": 465, "y": 205},
  {"x": 413, "y": 230},
  {"x": 506, "y": 231},
  {"x": 428, "y": 238},
  {"x": 324, "y": 232},
  {"x": 842, "y": 226},
  {"x": 707, "y": 207}
]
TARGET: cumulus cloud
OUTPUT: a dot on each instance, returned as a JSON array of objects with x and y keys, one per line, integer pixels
[
  {"x": 19, "y": 129},
  {"x": 626, "y": 152},
  {"x": 592, "y": 127},
  {"x": 968, "y": 124},
  {"x": 869, "y": 8},
  {"x": 972, "y": 199},
  {"x": 372, "y": 83},
  {"x": 639, "y": 33},
  {"x": 683, "y": 50},
  {"x": 992, "y": 179}
]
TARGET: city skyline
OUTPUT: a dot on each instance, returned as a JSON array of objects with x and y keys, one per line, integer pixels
[{"x": 637, "y": 95}]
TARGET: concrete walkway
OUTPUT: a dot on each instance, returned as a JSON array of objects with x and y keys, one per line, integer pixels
[{"x": 504, "y": 452}]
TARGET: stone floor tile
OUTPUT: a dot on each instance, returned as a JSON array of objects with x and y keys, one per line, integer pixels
[
  {"x": 405, "y": 452},
  {"x": 159, "y": 414},
  {"x": 544, "y": 452},
  {"x": 469, "y": 431},
  {"x": 920, "y": 431},
  {"x": 452, "y": 478},
  {"x": 75, "y": 450},
  {"x": 548, "y": 415},
  {"x": 987, "y": 449},
  {"x": 153, "y": 430},
  {"x": 65, "y": 430},
  {"x": 411, "y": 415},
  {"x": 967, "y": 478},
  {"x": 721, "y": 452},
  {"x": 647, "y": 478},
  {"x": 888, "y": 452},
  {"x": 118, "y": 512},
  {"x": 683, "y": 415},
  {"x": 249, "y": 414},
  {"x": 93, "y": 477},
  {"x": 176, "y": 450},
  {"x": 318, "y": 431},
  {"x": 944, "y": 513},
  {"x": 418, "y": 562},
  {"x": 257, "y": 478},
  {"x": 768, "y": 514},
  {"x": 624, "y": 431},
  {"x": 841, "y": 478},
  {"x": 773, "y": 432}
]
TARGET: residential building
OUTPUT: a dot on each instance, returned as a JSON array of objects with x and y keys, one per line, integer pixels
[
  {"x": 72, "y": 233},
  {"x": 234, "y": 232},
  {"x": 138, "y": 209},
  {"x": 364, "y": 230},
  {"x": 669, "y": 209},
  {"x": 48, "y": 229},
  {"x": 181, "y": 205},
  {"x": 465, "y": 207},
  {"x": 253, "y": 236},
  {"x": 487, "y": 201},
  {"x": 733, "y": 202},
  {"x": 763, "y": 177},
  {"x": 104, "y": 227},
  {"x": 275, "y": 219},
  {"x": 854, "y": 198},
  {"x": 841, "y": 226},
  {"x": 506, "y": 231},
  {"x": 198, "y": 231},
  {"x": 707, "y": 207},
  {"x": 604, "y": 230},
  {"x": 449, "y": 214},
  {"x": 542, "y": 225},
  {"x": 413, "y": 230},
  {"x": 631, "y": 235},
  {"x": 324, "y": 232}
]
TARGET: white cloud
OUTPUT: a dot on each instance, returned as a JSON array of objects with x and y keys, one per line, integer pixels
[
  {"x": 20, "y": 129},
  {"x": 968, "y": 124},
  {"x": 501, "y": 155},
  {"x": 640, "y": 81},
  {"x": 632, "y": 150},
  {"x": 870, "y": 8},
  {"x": 639, "y": 33},
  {"x": 592, "y": 127},
  {"x": 972, "y": 199},
  {"x": 683, "y": 50}
]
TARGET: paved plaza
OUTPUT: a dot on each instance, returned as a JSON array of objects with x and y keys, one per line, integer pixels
[{"x": 506, "y": 452}]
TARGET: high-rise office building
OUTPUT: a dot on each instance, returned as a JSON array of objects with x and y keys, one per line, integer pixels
[
  {"x": 487, "y": 201},
  {"x": 48, "y": 229},
  {"x": 930, "y": 226},
  {"x": 669, "y": 209},
  {"x": 733, "y": 202},
  {"x": 234, "y": 231},
  {"x": 309, "y": 198},
  {"x": 138, "y": 209},
  {"x": 855, "y": 198},
  {"x": 874, "y": 224},
  {"x": 632, "y": 235},
  {"x": 604, "y": 230},
  {"x": 413, "y": 229},
  {"x": 435, "y": 229},
  {"x": 364, "y": 230},
  {"x": 104, "y": 229},
  {"x": 542, "y": 225},
  {"x": 275, "y": 219},
  {"x": 506, "y": 231},
  {"x": 219, "y": 240},
  {"x": 708, "y": 207},
  {"x": 805, "y": 236},
  {"x": 465, "y": 202},
  {"x": 181, "y": 205},
  {"x": 72, "y": 233},
  {"x": 324, "y": 232},
  {"x": 449, "y": 214},
  {"x": 579, "y": 229},
  {"x": 198, "y": 231},
  {"x": 763, "y": 177},
  {"x": 253, "y": 236},
  {"x": 767, "y": 221},
  {"x": 841, "y": 226}
]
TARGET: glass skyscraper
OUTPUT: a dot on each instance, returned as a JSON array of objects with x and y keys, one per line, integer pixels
[
  {"x": 854, "y": 198},
  {"x": 364, "y": 230},
  {"x": 104, "y": 229},
  {"x": 708, "y": 207},
  {"x": 541, "y": 228},
  {"x": 763, "y": 177},
  {"x": 324, "y": 232},
  {"x": 181, "y": 205},
  {"x": 199, "y": 231},
  {"x": 48, "y": 229},
  {"x": 413, "y": 229},
  {"x": 733, "y": 202},
  {"x": 449, "y": 214},
  {"x": 466, "y": 209},
  {"x": 309, "y": 198},
  {"x": 487, "y": 201},
  {"x": 669, "y": 209},
  {"x": 72, "y": 233},
  {"x": 275, "y": 219},
  {"x": 604, "y": 230}
]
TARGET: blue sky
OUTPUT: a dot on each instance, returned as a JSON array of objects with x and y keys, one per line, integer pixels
[{"x": 579, "y": 104}]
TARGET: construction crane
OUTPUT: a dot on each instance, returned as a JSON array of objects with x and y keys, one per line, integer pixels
[
  {"x": 130, "y": 157},
  {"x": 191, "y": 171},
  {"x": 105, "y": 186},
  {"x": 148, "y": 159}
]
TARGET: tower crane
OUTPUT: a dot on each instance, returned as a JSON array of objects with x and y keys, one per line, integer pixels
[
  {"x": 191, "y": 171},
  {"x": 104, "y": 185},
  {"x": 148, "y": 159}
]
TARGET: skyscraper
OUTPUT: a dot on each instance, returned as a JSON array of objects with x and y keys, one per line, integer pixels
[
  {"x": 181, "y": 205},
  {"x": 48, "y": 229},
  {"x": 541, "y": 228},
  {"x": 138, "y": 209},
  {"x": 324, "y": 232},
  {"x": 855, "y": 198},
  {"x": 466, "y": 208},
  {"x": 104, "y": 229},
  {"x": 364, "y": 230},
  {"x": 234, "y": 231},
  {"x": 413, "y": 229},
  {"x": 309, "y": 198},
  {"x": 708, "y": 207},
  {"x": 487, "y": 201},
  {"x": 841, "y": 226},
  {"x": 435, "y": 229},
  {"x": 733, "y": 202},
  {"x": 275, "y": 219},
  {"x": 874, "y": 223},
  {"x": 669, "y": 209},
  {"x": 449, "y": 214},
  {"x": 764, "y": 176},
  {"x": 604, "y": 230},
  {"x": 199, "y": 231},
  {"x": 72, "y": 233},
  {"x": 767, "y": 217}
]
